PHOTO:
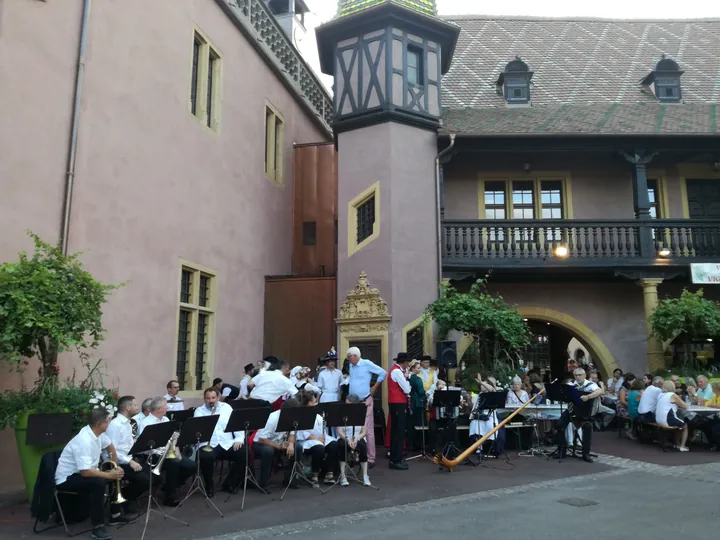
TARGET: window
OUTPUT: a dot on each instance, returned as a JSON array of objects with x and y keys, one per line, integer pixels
[
  {"x": 415, "y": 63},
  {"x": 205, "y": 82},
  {"x": 363, "y": 218},
  {"x": 523, "y": 204},
  {"x": 196, "y": 314},
  {"x": 416, "y": 342},
  {"x": 309, "y": 233},
  {"x": 551, "y": 199},
  {"x": 654, "y": 198},
  {"x": 495, "y": 208},
  {"x": 533, "y": 198},
  {"x": 274, "y": 141}
]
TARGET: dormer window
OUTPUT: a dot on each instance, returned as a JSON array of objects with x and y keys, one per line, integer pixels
[
  {"x": 665, "y": 81},
  {"x": 514, "y": 82}
]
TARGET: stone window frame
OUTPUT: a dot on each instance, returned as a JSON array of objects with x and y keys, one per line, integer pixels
[
  {"x": 274, "y": 129},
  {"x": 205, "y": 107},
  {"x": 372, "y": 192}
]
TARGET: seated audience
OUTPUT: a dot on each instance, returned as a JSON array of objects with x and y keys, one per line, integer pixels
[{"x": 666, "y": 414}]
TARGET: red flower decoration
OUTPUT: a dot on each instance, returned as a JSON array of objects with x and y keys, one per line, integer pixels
[{"x": 115, "y": 396}]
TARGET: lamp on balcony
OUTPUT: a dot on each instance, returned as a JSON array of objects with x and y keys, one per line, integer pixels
[
  {"x": 664, "y": 251},
  {"x": 561, "y": 252}
]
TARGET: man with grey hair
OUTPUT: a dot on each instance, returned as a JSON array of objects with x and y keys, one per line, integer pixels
[
  {"x": 703, "y": 392},
  {"x": 649, "y": 400},
  {"x": 177, "y": 470},
  {"x": 359, "y": 379},
  {"x": 77, "y": 470},
  {"x": 144, "y": 411},
  {"x": 580, "y": 416}
]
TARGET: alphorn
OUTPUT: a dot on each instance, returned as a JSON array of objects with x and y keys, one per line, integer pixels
[{"x": 452, "y": 463}]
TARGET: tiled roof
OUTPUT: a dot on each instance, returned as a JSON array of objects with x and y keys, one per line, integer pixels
[
  {"x": 586, "y": 78},
  {"x": 349, "y": 7}
]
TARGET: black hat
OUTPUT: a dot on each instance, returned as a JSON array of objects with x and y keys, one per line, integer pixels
[
  {"x": 249, "y": 367},
  {"x": 402, "y": 357}
]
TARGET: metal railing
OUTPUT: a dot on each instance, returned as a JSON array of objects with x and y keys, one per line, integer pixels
[{"x": 511, "y": 242}]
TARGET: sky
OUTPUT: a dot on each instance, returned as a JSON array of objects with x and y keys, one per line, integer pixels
[{"x": 323, "y": 10}]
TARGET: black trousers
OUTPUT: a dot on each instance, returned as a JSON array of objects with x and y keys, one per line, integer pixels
[
  {"x": 237, "y": 465},
  {"x": 398, "y": 416},
  {"x": 176, "y": 473},
  {"x": 587, "y": 430},
  {"x": 267, "y": 455},
  {"x": 139, "y": 483},
  {"x": 94, "y": 488},
  {"x": 361, "y": 450}
]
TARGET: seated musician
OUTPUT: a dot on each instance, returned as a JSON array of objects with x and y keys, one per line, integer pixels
[
  {"x": 177, "y": 470},
  {"x": 352, "y": 438},
  {"x": 269, "y": 441},
  {"x": 174, "y": 403},
  {"x": 224, "y": 445},
  {"x": 482, "y": 421},
  {"x": 144, "y": 412},
  {"x": 226, "y": 392},
  {"x": 78, "y": 472},
  {"x": 272, "y": 385},
  {"x": 316, "y": 443},
  {"x": 580, "y": 415},
  {"x": 120, "y": 434}
]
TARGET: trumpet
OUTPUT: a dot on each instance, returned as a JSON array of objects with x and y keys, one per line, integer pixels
[
  {"x": 167, "y": 452},
  {"x": 110, "y": 465}
]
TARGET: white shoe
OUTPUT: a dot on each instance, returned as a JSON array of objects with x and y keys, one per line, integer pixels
[
  {"x": 344, "y": 482},
  {"x": 366, "y": 481},
  {"x": 683, "y": 448}
]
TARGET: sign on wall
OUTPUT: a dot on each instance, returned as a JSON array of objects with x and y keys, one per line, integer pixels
[{"x": 705, "y": 274}]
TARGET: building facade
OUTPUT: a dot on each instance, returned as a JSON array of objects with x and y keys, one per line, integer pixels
[{"x": 182, "y": 185}]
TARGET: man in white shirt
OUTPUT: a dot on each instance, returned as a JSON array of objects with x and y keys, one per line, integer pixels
[
  {"x": 120, "y": 434},
  {"x": 144, "y": 412},
  {"x": 178, "y": 470},
  {"x": 224, "y": 445},
  {"x": 329, "y": 381},
  {"x": 268, "y": 441},
  {"x": 649, "y": 399},
  {"x": 272, "y": 385},
  {"x": 580, "y": 417},
  {"x": 615, "y": 382},
  {"x": 78, "y": 472},
  {"x": 249, "y": 368},
  {"x": 174, "y": 403}
]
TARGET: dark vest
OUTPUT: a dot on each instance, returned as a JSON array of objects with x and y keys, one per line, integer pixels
[{"x": 234, "y": 391}]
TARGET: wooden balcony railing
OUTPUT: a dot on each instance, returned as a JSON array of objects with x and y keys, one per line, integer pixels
[{"x": 579, "y": 242}]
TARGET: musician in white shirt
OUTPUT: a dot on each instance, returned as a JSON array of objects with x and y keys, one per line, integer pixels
[
  {"x": 329, "y": 381},
  {"x": 268, "y": 441},
  {"x": 174, "y": 403},
  {"x": 177, "y": 470},
  {"x": 352, "y": 438},
  {"x": 516, "y": 396},
  {"x": 316, "y": 443},
  {"x": 579, "y": 416},
  {"x": 224, "y": 445},
  {"x": 272, "y": 385},
  {"x": 77, "y": 470},
  {"x": 249, "y": 368},
  {"x": 120, "y": 434},
  {"x": 144, "y": 412}
]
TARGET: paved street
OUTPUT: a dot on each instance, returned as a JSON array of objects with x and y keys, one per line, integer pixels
[{"x": 517, "y": 497}]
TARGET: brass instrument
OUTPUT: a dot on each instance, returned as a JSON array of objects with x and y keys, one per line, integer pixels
[
  {"x": 452, "y": 463},
  {"x": 167, "y": 452},
  {"x": 207, "y": 447},
  {"x": 134, "y": 427},
  {"x": 110, "y": 465}
]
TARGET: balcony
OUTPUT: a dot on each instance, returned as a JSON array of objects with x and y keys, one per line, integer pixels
[{"x": 578, "y": 243}]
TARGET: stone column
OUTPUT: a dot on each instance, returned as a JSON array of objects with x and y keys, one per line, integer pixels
[{"x": 656, "y": 352}]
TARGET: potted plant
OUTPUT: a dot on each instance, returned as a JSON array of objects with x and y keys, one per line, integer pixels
[{"x": 48, "y": 304}]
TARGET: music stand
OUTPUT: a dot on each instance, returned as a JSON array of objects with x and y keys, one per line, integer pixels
[
  {"x": 246, "y": 420},
  {"x": 491, "y": 401},
  {"x": 153, "y": 437},
  {"x": 343, "y": 415},
  {"x": 250, "y": 403},
  {"x": 294, "y": 419},
  {"x": 180, "y": 416},
  {"x": 449, "y": 399},
  {"x": 195, "y": 431},
  {"x": 48, "y": 429}
]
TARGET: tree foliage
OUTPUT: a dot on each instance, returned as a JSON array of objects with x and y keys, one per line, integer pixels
[
  {"x": 498, "y": 328},
  {"x": 690, "y": 314},
  {"x": 48, "y": 304},
  {"x": 688, "y": 318}
]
